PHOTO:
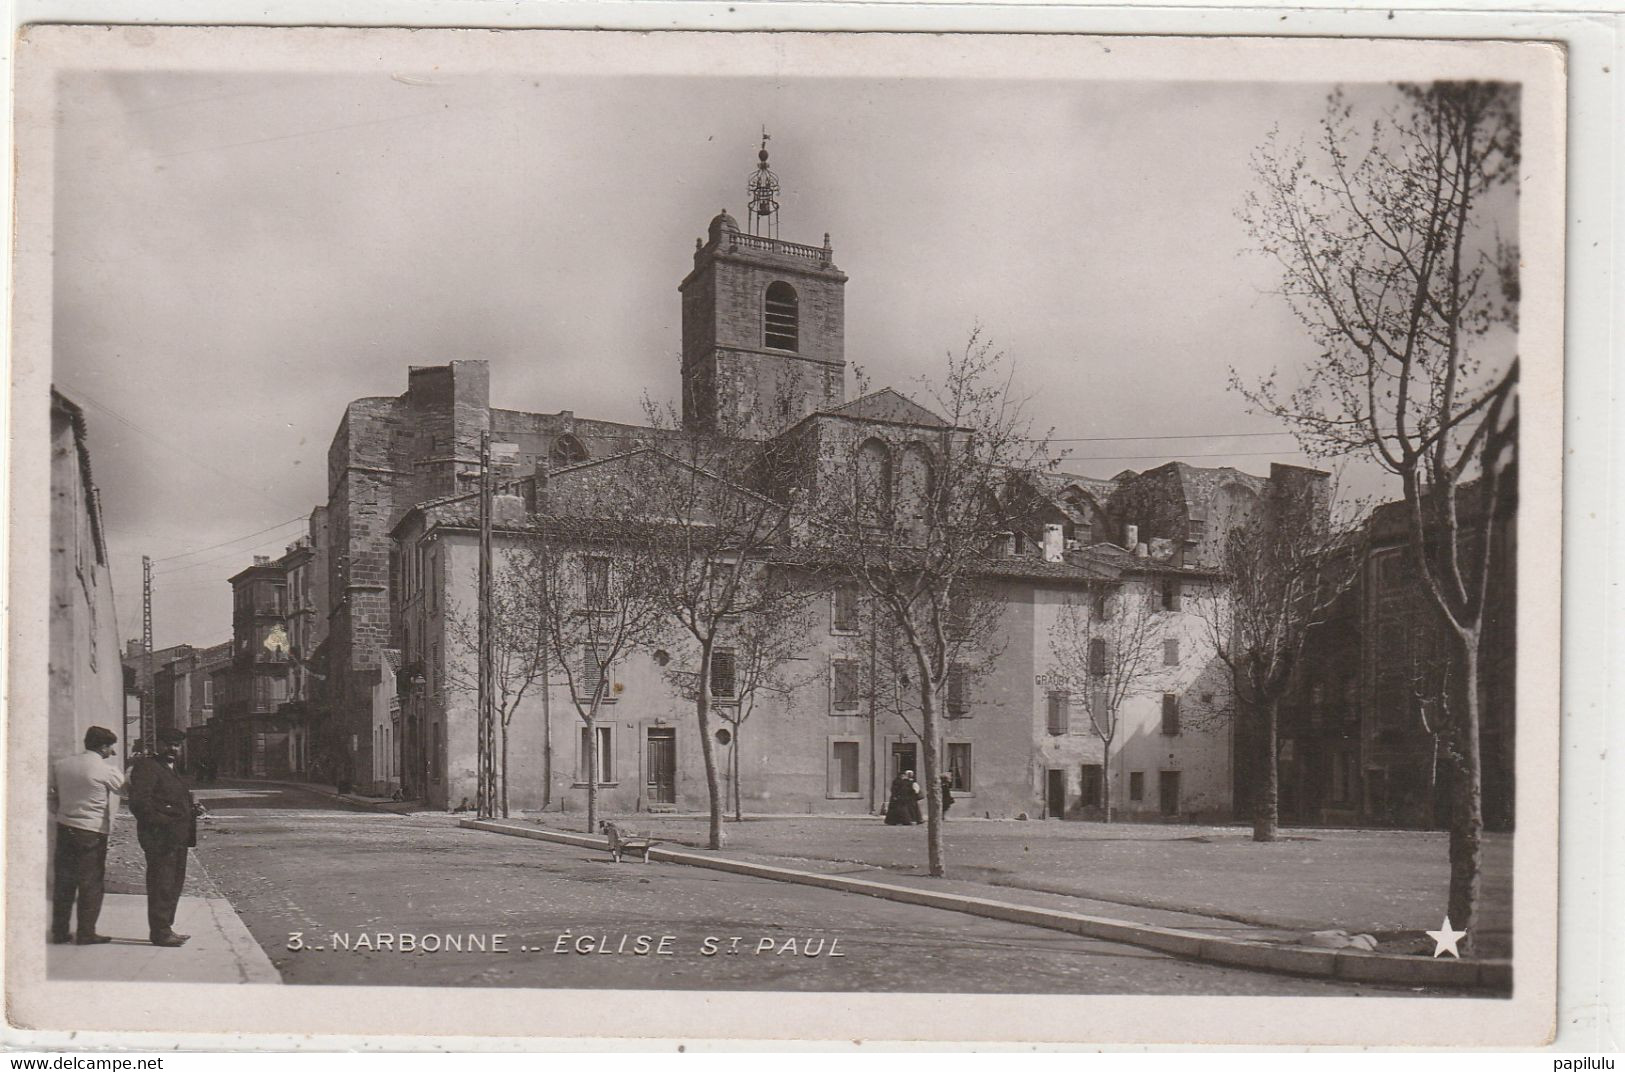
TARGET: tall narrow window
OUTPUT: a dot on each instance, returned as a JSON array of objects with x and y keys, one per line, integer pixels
[
  {"x": 844, "y": 687},
  {"x": 959, "y": 765},
  {"x": 722, "y": 675},
  {"x": 1170, "y": 653},
  {"x": 605, "y": 755},
  {"x": 782, "y": 322},
  {"x": 957, "y": 705},
  {"x": 1097, "y": 657},
  {"x": 1059, "y": 713},
  {"x": 1170, "y": 714},
  {"x": 845, "y": 611},
  {"x": 874, "y": 482},
  {"x": 597, "y": 579},
  {"x": 595, "y": 672}
]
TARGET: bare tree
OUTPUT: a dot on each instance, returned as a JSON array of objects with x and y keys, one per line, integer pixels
[
  {"x": 916, "y": 541},
  {"x": 1284, "y": 568},
  {"x": 594, "y": 589},
  {"x": 710, "y": 547},
  {"x": 756, "y": 660},
  {"x": 1106, "y": 650},
  {"x": 520, "y": 647},
  {"x": 1391, "y": 258}
]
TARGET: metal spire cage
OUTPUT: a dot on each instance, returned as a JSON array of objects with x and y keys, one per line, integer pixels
[{"x": 763, "y": 188}]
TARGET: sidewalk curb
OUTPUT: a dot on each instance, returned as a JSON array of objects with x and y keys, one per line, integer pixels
[
  {"x": 1386, "y": 968},
  {"x": 253, "y": 965}
]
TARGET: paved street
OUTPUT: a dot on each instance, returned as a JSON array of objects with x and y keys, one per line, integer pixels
[{"x": 294, "y": 861}]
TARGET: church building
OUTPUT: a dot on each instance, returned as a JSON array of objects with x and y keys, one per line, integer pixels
[{"x": 763, "y": 363}]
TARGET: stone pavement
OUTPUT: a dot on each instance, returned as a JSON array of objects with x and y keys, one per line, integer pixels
[
  {"x": 221, "y": 949},
  {"x": 1212, "y": 879}
]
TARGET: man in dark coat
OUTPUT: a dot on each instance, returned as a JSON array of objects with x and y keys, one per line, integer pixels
[{"x": 166, "y": 827}]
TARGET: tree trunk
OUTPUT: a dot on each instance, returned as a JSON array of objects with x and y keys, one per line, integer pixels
[
  {"x": 702, "y": 707},
  {"x": 504, "y": 759},
  {"x": 1467, "y": 808},
  {"x": 739, "y": 811},
  {"x": 1266, "y": 811},
  {"x": 1106, "y": 780},
  {"x": 592, "y": 775},
  {"x": 933, "y": 785}
]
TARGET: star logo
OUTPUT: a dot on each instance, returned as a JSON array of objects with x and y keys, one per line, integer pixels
[{"x": 1445, "y": 939}]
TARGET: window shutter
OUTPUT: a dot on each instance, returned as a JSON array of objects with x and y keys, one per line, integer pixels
[
  {"x": 846, "y": 609},
  {"x": 1097, "y": 657},
  {"x": 846, "y": 686},
  {"x": 1170, "y": 652},
  {"x": 1170, "y": 714},
  {"x": 722, "y": 674},
  {"x": 956, "y": 692},
  {"x": 1059, "y": 714}
]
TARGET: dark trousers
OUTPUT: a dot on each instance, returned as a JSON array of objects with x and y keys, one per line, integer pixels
[
  {"x": 81, "y": 871},
  {"x": 166, "y": 875}
]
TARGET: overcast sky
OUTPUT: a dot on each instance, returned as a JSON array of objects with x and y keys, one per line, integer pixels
[{"x": 239, "y": 255}]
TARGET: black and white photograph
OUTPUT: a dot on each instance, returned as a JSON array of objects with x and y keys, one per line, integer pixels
[{"x": 901, "y": 535}]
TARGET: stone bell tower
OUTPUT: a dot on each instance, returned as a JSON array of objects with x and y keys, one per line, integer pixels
[{"x": 763, "y": 322}]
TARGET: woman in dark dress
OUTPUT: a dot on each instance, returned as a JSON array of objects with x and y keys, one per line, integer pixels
[
  {"x": 897, "y": 805},
  {"x": 912, "y": 797}
]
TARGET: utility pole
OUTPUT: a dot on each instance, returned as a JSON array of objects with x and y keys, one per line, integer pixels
[
  {"x": 487, "y": 781},
  {"x": 149, "y": 696}
]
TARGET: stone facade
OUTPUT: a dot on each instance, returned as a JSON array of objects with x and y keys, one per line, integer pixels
[
  {"x": 85, "y": 674},
  {"x": 740, "y": 375}
]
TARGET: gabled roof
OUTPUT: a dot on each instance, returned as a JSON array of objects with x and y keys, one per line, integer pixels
[{"x": 887, "y": 405}]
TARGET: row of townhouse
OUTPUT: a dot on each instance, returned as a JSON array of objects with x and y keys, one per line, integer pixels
[{"x": 832, "y": 744}]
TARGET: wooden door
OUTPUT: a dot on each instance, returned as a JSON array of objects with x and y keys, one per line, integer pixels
[
  {"x": 1168, "y": 788},
  {"x": 662, "y": 752},
  {"x": 1055, "y": 796}
]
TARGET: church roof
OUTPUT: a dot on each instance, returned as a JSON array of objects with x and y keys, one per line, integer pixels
[{"x": 887, "y": 405}]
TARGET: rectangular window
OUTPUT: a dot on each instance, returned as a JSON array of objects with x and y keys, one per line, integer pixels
[
  {"x": 432, "y": 581},
  {"x": 1170, "y": 714},
  {"x": 843, "y": 686},
  {"x": 959, "y": 765},
  {"x": 1097, "y": 657},
  {"x": 1136, "y": 785},
  {"x": 957, "y": 705},
  {"x": 844, "y": 611},
  {"x": 595, "y": 672},
  {"x": 843, "y": 768},
  {"x": 1091, "y": 785},
  {"x": 1170, "y": 594},
  {"x": 722, "y": 675},
  {"x": 208, "y": 692},
  {"x": 959, "y": 616},
  {"x": 1059, "y": 713},
  {"x": 1170, "y": 653},
  {"x": 597, "y": 582},
  {"x": 605, "y": 756}
]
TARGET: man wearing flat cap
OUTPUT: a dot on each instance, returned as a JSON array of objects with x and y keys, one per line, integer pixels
[
  {"x": 84, "y": 792},
  {"x": 166, "y": 826}
]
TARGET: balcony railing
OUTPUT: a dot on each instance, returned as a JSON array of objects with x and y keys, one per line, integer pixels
[{"x": 820, "y": 255}]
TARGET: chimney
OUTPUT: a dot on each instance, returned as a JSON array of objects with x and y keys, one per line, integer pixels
[
  {"x": 1052, "y": 543},
  {"x": 1131, "y": 536}
]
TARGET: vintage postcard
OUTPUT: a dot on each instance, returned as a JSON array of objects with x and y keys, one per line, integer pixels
[{"x": 785, "y": 536}]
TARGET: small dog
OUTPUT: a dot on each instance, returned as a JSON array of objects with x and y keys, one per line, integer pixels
[{"x": 620, "y": 843}]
